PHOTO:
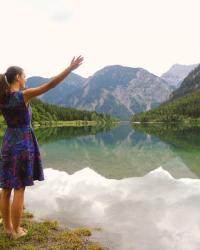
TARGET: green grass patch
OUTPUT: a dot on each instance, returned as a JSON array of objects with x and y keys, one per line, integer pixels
[{"x": 48, "y": 234}]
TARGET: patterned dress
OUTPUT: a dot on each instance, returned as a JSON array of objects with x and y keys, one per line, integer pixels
[{"x": 20, "y": 159}]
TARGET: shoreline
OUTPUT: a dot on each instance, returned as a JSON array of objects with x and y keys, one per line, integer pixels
[
  {"x": 49, "y": 234},
  {"x": 77, "y": 123}
]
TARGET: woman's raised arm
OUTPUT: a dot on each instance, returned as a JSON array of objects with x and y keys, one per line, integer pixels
[{"x": 33, "y": 92}]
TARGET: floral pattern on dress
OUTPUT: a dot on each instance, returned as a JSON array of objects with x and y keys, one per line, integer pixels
[{"x": 20, "y": 158}]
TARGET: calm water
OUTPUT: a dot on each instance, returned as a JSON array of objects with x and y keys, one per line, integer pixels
[
  {"x": 121, "y": 152},
  {"x": 139, "y": 184}
]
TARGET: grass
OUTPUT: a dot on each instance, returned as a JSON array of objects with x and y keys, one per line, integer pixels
[
  {"x": 48, "y": 234},
  {"x": 65, "y": 123}
]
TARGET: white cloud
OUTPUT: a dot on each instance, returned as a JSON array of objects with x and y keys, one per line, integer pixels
[{"x": 43, "y": 36}]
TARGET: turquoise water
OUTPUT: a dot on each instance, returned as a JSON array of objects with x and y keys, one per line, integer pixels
[{"x": 124, "y": 151}]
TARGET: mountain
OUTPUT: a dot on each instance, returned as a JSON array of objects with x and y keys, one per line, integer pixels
[
  {"x": 120, "y": 91},
  {"x": 183, "y": 104},
  {"x": 117, "y": 90},
  {"x": 190, "y": 84},
  {"x": 61, "y": 92},
  {"x": 175, "y": 75}
]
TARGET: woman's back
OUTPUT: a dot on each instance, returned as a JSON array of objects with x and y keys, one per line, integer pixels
[{"x": 15, "y": 111}]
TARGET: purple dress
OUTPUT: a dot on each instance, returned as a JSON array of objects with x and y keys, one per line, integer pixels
[{"x": 20, "y": 159}]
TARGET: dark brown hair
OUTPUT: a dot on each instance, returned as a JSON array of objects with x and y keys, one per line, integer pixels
[{"x": 10, "y": 75}]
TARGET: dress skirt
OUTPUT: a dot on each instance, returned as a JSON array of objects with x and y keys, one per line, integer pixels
[{"x": 20, "y": 158}]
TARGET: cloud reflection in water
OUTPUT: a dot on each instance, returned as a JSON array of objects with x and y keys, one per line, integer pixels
[{"x": 152, "y": 212}]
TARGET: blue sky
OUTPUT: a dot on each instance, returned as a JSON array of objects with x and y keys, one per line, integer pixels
[{"x": 43, "y": 36}]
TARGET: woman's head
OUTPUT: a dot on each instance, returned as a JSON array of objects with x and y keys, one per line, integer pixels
[{"x": 13, "y": 78}]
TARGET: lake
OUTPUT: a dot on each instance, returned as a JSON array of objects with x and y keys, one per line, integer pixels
[{"x": 138, "y": 183}]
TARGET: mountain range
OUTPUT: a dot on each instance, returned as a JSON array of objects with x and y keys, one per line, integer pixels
[
  {"x": 176, "y": 74},
  {"x": 115, "y": 89},
  {"x": 190, "y": 84},
  {"x": 182, "y": 105}
]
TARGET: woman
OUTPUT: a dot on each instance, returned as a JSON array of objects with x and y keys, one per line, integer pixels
[{"x": 20, "y": 159}]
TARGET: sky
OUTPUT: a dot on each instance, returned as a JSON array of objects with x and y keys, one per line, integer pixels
[{"x": 42, "y": 36}]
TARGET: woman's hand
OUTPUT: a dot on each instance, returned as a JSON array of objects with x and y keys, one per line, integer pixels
[
  {"x": 76, "y": 63},
  {"x": 33, "y": 92}
]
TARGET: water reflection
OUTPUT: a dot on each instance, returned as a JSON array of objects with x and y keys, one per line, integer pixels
[
  {"x": 122, "y": 152},
  {"x": 184, "y": 141},
  {"x": 151, "y": 212}
]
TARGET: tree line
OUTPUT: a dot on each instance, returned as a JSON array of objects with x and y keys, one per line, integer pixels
[
  {"x": 42, "y": 111},
  {"x": 181, "y": 109}
]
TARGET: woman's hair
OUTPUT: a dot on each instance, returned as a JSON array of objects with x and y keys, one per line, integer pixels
[{"x": 7, "y": 79}]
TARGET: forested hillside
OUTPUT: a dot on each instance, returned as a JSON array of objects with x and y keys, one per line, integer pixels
[
  {"x": 50, "y": 112},
  {"x": 190, "y": 84},
  {"x": 184, "y": 103}
]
